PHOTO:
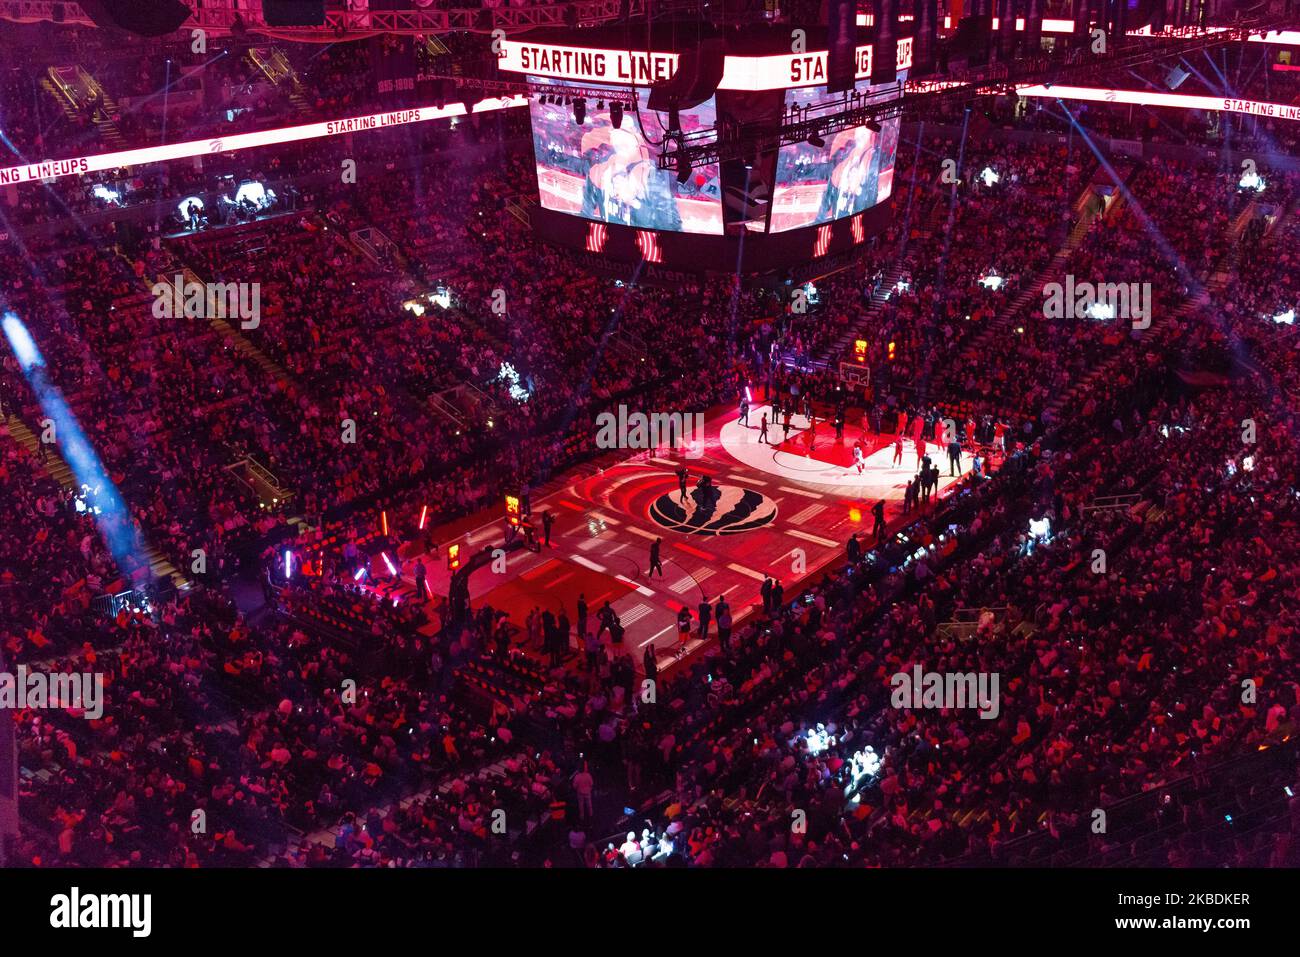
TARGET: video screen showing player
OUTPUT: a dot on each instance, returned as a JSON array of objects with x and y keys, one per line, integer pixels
[
  {"x": 610, "y": 174},
  {"x": 852, "y": 171}
]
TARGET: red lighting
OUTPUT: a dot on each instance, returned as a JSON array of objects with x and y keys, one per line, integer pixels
[
  {"x": 648, "y": 243},
  {"x": 823, "y": 242}
]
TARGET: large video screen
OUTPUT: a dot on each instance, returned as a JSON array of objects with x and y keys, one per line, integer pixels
[
  {"x": 612, "y": 175},
  {"x": 852, "y": 171}
]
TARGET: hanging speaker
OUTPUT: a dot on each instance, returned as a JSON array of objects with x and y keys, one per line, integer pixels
[
  {"x": 293, "y": 13},
  {"x": 146, "y": 18},
  {"x": 699, "y": 71},
  {"x": 924, "y": 32},
  {"x": 884, "y": 51},
  {"x": 1006, "y": 33},
  {"x": 1033, "y": 41},
  {"x": 972, "y": 39},
  {"x": 842, "y": 41}
]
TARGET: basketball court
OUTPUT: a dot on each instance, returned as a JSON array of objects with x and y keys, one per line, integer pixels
[{"x": 782, "y": 509}]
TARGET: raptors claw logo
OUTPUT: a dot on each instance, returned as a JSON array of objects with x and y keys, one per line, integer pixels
[
  {"x": 717, "y": 510},
  {"x": 214, "y": 146}
]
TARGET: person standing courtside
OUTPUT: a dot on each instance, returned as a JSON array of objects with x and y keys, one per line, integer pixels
[
  {"x": 722, "y": 612},
  {"x": 655, "y": 563}
]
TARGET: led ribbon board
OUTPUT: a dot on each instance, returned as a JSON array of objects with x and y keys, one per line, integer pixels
[
  {"x": 81, "y": 165},
  {"x": 1179, "y": 101},
  {"x": 622, "y": 68},
  {"x": 77, "y": 166}
]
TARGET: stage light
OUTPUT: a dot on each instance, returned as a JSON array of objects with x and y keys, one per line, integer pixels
[
  {"x": 600, "y": 105},
  {"x": 361, "y": 573},
  {"x": 991, "y": 281},
  {"x": 819, "y": 739},
  {"x": 815, "y": 140},
  {"x": 183, "y": 207},
  {"x": 253, "y": 191},
  {"x": 1100, "y": 310},
  {"x": 107, "y": 195},
  {"x": 579, "y": 110},
  {"x": 424, "y": 513},
  {"x": 989, "y": 175},
  {"x": 1285, "y": 318},
  {"x": 510, "y": 376},
  {"x": 864, "y": 764},
  {"x": 20, "y": 340},
  {"x": 1175, "y": 77},
  {"x": 1040, "y": 527},
  {"x": 616, "y": 114},
  {"x": 683, "y": 168},
  {"x": 288, "y": 564},
  {"x": 1252, "y": 180},
  {"x": 389, "y": 562},
  {"x": 383, "y": 519},
  {"x": 872, "y": 125}
]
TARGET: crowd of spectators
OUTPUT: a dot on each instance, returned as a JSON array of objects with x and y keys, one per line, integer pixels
[{"x": 237, "y": 738}]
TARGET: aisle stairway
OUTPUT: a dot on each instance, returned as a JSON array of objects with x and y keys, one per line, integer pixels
[
  {"x": 999, "y": 327},
  {"x": 61, "y": 472},
  {"x": 1161, "y": 327},
  {"x": 74, "y": 89}
]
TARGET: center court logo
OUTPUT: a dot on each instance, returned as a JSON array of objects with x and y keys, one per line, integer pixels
[
  {"x": 714, "y": 510},
  {"x": 76, "y": 910}
]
